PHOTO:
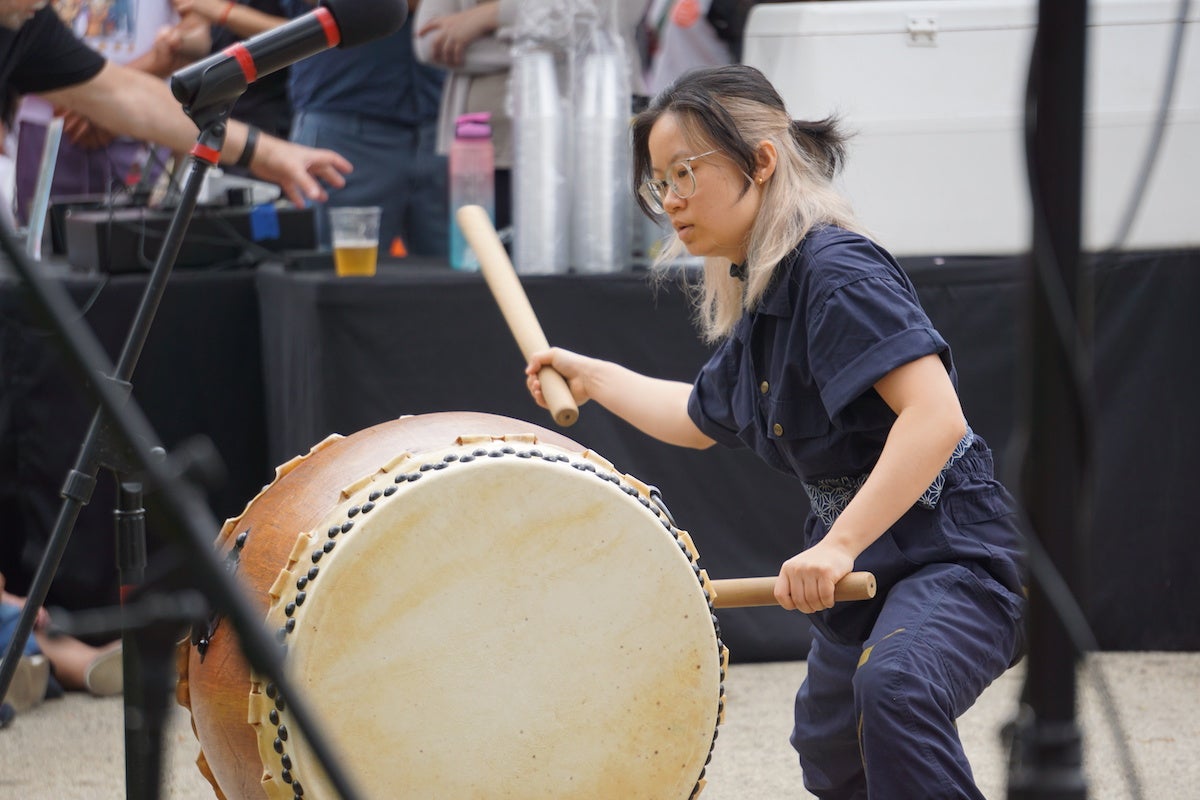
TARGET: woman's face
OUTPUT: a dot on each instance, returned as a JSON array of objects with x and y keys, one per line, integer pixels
[{"x": 716, "y": 219}]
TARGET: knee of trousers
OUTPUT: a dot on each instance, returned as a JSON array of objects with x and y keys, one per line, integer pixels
[
  {"x": 817, "y": 746},
  {"x": 887, "y": 691},
  {"x": 825, "y": 732}
]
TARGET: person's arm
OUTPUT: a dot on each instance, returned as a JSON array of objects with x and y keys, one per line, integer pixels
[
  {"x": 238, "y": 18},
  {"x": 929, "y": 425},
  {"x": 464, "y": 41},
  {"x": 654, "y": 406},
  {"x": 175, "y": 46},
  {"x": 136, "y": 104}
]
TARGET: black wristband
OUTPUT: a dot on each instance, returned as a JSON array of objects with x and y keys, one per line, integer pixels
[{"x": 248, "y": 148}]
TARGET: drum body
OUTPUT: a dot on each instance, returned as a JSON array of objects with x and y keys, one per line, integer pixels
[{"x": 474, "y": 607}]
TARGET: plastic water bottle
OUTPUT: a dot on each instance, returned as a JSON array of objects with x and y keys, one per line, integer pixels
[{"x": 472, "y": 180}]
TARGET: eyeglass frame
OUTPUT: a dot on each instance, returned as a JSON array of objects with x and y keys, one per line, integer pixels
[{"x": 655, "y": 201}]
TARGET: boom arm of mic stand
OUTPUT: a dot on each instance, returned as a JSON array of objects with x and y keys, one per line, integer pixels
[{"x": 183, "y": 504}]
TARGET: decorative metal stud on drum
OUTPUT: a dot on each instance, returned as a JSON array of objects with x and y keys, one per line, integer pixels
[{"x": 474, "y": 607}]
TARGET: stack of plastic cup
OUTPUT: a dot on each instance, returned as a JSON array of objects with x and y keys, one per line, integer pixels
[
  {"x": 541, "y": 196},
  {"x": 600, "y": 236}
]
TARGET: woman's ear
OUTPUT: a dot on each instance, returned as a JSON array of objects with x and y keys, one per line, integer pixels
[{"x": 765, "y": 160}]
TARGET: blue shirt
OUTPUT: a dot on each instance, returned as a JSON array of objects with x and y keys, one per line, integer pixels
[
  {"x": 794, "y": 379},
  {"x": 380, "y": 79}
]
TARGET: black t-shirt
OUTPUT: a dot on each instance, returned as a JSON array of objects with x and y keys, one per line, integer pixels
[{"x": 40, "y": 56}]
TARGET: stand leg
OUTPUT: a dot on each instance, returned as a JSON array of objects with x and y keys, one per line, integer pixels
[
  {"x": 97, "y": 448},
  {"x": 130, "y": 519},
  {"x": 194, "y": 525}
]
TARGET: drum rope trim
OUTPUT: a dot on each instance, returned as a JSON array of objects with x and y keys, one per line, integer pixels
[{"x": 268, "y": 697}]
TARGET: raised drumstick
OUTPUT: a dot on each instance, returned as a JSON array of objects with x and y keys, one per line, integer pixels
[
  {"x": 745, "y": 592},
  {"x": 506, "y": 288}
]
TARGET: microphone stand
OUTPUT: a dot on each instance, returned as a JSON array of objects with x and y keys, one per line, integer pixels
[
  {"x": 1046, "y": 748},
  {"x": 121, "y": 439}
]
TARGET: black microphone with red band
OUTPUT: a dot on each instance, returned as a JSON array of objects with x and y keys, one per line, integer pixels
[{"x": 222, "y": 77}]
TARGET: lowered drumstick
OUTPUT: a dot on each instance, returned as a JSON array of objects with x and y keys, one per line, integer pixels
[
  {"x": 502, "y": 279},
  {"x": 746, "y": 592}
]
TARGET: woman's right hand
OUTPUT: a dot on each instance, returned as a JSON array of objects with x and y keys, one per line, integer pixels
[{"x": 572, "y": 366}]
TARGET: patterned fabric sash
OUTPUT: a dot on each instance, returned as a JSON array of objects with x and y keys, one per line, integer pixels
[{"x": 830, "y": 496}]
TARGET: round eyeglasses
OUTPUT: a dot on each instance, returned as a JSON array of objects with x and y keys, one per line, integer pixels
[{"x": 679, "y": 179}]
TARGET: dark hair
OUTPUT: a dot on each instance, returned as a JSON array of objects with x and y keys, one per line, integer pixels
[
  {"x": 701, "y": 97},
  {"x": 735, "y": 109}
]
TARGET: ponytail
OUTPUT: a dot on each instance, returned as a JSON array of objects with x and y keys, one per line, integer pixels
[{"x": 824, "y": 142}]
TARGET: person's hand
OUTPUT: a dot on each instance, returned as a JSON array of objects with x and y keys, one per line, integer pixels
[
  {"x": 453, "y": 33},
  {"x": 177, "y": 45},
  {"x": 571, "y": 366},
  {"x": 84, "y": 133},
  {"x": 806, "y": 580},
  {"x": 165, "y": 48},
  {"x": 299, "y": 170},
  {"x": 40, "y": 622}
]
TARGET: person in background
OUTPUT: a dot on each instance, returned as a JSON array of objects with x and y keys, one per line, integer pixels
[
  {"x": 378, "y": 105},
  {"x": 210, "y": 26},
  {"x": 51, "y": 663},
  {"x": 472, "y": 40},
  {"x": 91, "y": 160},
  {"x": 40, "y": 55},
  {"x": 829, "y": 369},
  {"x": 680, "y": 38}
]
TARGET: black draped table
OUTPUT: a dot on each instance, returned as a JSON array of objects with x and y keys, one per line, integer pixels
[
  {"x": 343, "y": 354},
  {"x": 199, "y": 374},
  {"x": 267, "y": 363}
]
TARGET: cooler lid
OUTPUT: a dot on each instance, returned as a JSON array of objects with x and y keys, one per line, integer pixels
[
  {"x": 886, "y": 17},
  {"x": 890, "y": 17}
]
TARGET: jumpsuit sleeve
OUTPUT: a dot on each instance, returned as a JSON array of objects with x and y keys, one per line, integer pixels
[
  {"x": 861, "y": 329},
  {"x": 711, "y": 405}
]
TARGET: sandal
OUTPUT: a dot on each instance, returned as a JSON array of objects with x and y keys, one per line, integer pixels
[{"x": 105, "y": 675}]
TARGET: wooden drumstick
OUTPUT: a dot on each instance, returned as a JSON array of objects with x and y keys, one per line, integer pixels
[
  {"x": 746, "y": 592},
  {"x": 502, "y": 279}
]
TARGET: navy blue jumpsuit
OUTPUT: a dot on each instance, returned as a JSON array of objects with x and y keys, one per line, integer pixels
[{"x": 887, "y": 678}]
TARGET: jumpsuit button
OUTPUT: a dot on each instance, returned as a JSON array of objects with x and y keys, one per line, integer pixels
[
  {"x": 764, "y": 387},
  {"x": 778, "y": 429}
]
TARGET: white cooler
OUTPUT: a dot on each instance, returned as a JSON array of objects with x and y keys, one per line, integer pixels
[{"x": 933, "y": 91}]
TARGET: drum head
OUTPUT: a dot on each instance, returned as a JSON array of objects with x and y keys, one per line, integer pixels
[{"x": 504, "y": 621}]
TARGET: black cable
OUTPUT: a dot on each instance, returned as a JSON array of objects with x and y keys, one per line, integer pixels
[
  {"x": 116, "y": 188},
  {"x": 1157, "y": 132}
]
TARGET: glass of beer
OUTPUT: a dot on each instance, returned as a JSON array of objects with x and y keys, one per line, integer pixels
[{"x": 355, "y": 232}]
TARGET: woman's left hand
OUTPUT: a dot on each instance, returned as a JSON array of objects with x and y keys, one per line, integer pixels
[{"x": 806, "y": 580}]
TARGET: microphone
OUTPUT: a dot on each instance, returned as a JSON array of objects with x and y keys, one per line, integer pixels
[{"x": 222, "y": 77}]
